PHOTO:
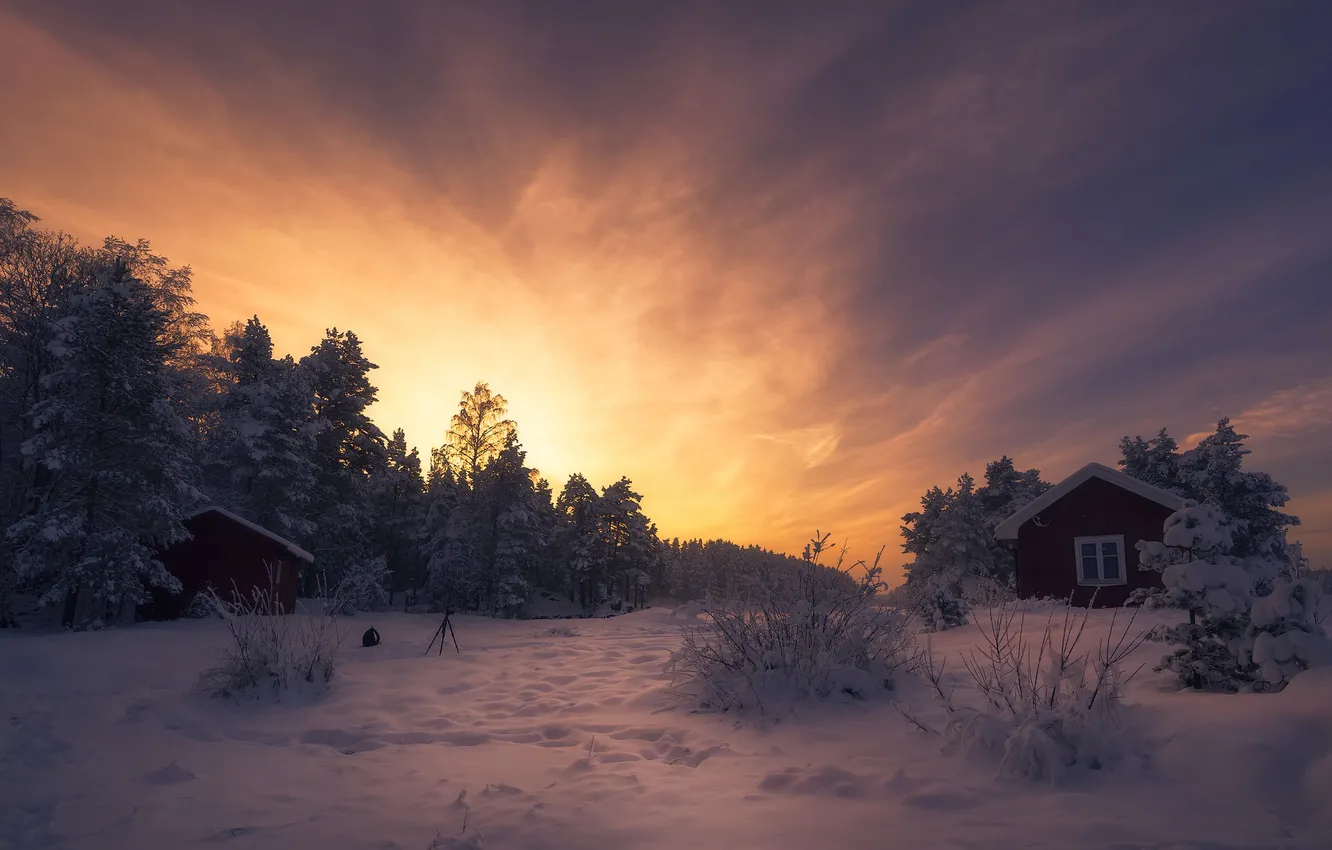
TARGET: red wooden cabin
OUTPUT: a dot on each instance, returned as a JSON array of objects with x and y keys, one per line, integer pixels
[
  {"x": 230, "y": 553},
  {"x": 1081, "y": 536}
]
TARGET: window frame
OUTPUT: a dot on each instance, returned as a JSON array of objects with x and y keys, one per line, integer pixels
[{"x": 1098, "y": 539}]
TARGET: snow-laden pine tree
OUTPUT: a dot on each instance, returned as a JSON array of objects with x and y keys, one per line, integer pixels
[
  {"x": 447, "y": 549},
  {"x": 550, "y": 574},
  {"x": 115, "y": 449},
  {"x": 578, "y": 538},
  {"x": 953, "y": 532},
  {"x": 950, "y": 535},
  {"x": 349, "y": 447},
  {"x": 629, "y": 541},
  {"x": 1008, "y": 490},
  {"x": 1212, "y": 473},
  {"x": 1201, "y": 576},
  {"x": 514, "y": 536},
  {"x": 261, "y": 453},
  {"x": 398, "y": 505},
  {"x": 38, "y": 271},
  {"x": 1155, "y": 461}
]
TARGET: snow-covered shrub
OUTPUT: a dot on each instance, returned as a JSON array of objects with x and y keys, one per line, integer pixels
[
  {"x": 271, "y": 652},
  {"x": 938, "y": 602},
  {"x": 803, "y": 631},
  {"x": 981, "y": 593},
  {"x": 1285, "y": 637},
  {"x": 364, "y": 587},
  {"x": 202, "y": 606},
  {"x": 1046, "y": 707}
]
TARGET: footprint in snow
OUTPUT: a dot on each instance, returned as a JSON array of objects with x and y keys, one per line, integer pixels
[{"x": 172, "y": 774}]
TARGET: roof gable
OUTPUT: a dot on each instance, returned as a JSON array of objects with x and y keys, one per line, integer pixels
[
  {"x": 1008, "y": 529},
  {"x": 255, "y": 527}
]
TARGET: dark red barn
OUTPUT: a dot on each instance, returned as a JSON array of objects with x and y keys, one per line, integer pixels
[
  {"x": 226, "y": 550},
  {"x": 1081, "y": 536}
]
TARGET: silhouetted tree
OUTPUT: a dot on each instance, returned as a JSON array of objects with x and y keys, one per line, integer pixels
[{"x": 477, "y": 433}]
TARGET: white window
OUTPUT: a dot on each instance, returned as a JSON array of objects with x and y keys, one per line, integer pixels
[{"x": 1100, "y": 560}]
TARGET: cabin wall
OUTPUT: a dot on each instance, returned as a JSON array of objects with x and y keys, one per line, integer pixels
[
  {"x": 226, "y": 555},
  {"x": 1046, "y": 562}
]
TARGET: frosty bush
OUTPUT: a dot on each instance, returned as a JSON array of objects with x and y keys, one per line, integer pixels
[
  {"x": 1045, "y": 707},
  {"x": 1285, "y": 636},
  {"x": 271, "y": 652},
  {"x": 980, "y": 593},
  {"x": 364, "y": 587},
  {"x": 938, "y": 602},
  {"x": 202, "y": 606},
  {"x": 803, "y": 631}
]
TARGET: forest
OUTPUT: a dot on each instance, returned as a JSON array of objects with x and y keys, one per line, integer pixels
[{"x": 122, "y": 408}]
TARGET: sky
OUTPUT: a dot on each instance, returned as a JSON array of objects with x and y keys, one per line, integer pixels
[{"x": 786, "y": 266}]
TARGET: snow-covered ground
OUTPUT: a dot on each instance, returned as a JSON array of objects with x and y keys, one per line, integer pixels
[{"x": 536, "y": 738}]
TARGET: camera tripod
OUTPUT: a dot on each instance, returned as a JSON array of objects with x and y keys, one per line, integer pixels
[{"x": 446, "y": 625}]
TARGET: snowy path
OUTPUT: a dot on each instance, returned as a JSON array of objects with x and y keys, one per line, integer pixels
[{"x": 544, "y": 741}]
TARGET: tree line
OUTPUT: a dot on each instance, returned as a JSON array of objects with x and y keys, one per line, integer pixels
[{"x": 122, "y": 409}]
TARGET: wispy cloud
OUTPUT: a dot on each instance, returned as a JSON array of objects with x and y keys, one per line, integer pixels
[
  {"x": 1287, "y": 413},
  {"x": 784, "y": 272}
]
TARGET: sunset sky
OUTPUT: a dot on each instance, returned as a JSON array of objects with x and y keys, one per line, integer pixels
[{"x": 784, "y": 265}]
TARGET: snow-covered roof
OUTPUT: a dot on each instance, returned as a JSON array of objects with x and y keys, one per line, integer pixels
[
  {"x": 284, "y": 542},
  {"x": 1008, "y": 529}
]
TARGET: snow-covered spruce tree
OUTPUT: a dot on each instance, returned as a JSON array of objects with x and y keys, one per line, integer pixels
[
  {"x": 349, "y": 447},
  {"x": 38, "y": 270},
  {"x": 628, "y": 538},
  {"x": 549, "y": 573},
  {"x": 1211, "y": 473},
  {"x": 1156, "y": 461},
  {"x": 115, "y": 450},
  {"x": 955, "y": 541},
  {"x": 509, "y": 530},
  {"x": 577, "y": 543},
  {"x": 954, "y": 530},
  {"x": 398, "y": 504},
  {"x": 450, "y": 578},
  {"x": 1202, "y": 577},
  {"x": 261, "y": 454},
  {"x": 1007, "y": 490}
]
